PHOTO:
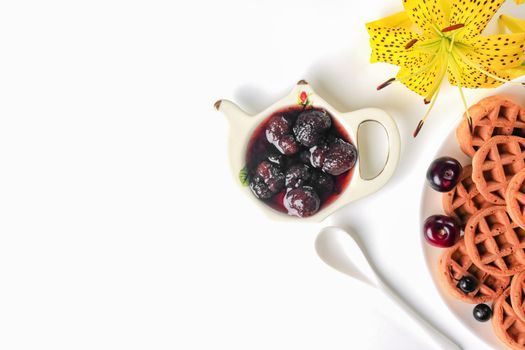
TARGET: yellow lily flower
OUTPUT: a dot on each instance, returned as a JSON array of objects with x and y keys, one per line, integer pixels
[{"x": 438, "y": 38}]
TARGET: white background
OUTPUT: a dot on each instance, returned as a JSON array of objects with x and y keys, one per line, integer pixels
[{"x": 120, "y": 224}]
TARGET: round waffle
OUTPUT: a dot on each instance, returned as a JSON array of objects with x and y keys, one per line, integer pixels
[
  {"x": 494, "y": 243},
  {"x": 495, "y": 163},
  {"x": 455, "y": 264},
  {"x": 517, "y": 295},
  {"x": 494, "y": 115},
  {"x": 508, "y": 327},
  {"x": 464, "y": 200},
  {"x": 515, "y": 198}
]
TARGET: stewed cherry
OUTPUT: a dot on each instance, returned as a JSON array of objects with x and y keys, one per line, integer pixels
[
  {"x": 311, "y": 126},
  {"x": 302, "y": 201},
  {"x": 340, "y": 157},
  {"x": 267, "y": 180},
  {"x": 322, "y": 182},
  {"x": 297, "y": 175},
  {"x": 441, "y": 231},
  {"x": 443, "y": 174},
  {"x": 278, "y": 133}
]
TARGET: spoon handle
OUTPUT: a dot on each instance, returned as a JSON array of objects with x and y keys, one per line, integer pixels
[{"x": 437, "y": 337}]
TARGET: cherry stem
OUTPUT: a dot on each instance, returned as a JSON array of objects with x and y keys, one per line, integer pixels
[
  {"x": 470, "y": 126},
  {"x": 386, "y": 83},
  {"x": 452, "y": 27},
  {"x": 410, "y": 43}
]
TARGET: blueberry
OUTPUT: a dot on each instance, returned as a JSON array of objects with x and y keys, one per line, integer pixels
[
  {"x": 277, "y": 127},
  {"x": 270, "y": 175},
  {"x": 482, "y": 312},
  {"x": 310, "y": 127},
  {"x": 297, "y": 175},
  {"x": 287, "y": 145},
  {"x": 323, "y": 183},
  {"x": 340, "y": 157},
  {"x": 302, "y": 201},
  {"x": 467, "y": 284}
]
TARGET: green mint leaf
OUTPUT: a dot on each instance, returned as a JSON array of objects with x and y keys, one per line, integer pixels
[{"x": 243, "y": 176}]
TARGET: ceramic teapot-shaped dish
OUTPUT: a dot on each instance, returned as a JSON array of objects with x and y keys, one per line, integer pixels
[{"x": 242, "y": 127}]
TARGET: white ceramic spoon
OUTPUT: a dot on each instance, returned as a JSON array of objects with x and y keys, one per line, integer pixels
[{"x": 339, "y": 249}]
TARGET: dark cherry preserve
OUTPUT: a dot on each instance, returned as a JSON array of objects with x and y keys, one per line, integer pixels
[{"x": 260, "y": 149}]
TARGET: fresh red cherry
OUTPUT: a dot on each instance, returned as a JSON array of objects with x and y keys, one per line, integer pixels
[
  {"x": 441, "y": 231},
  {"x": 444, "y": 173}
]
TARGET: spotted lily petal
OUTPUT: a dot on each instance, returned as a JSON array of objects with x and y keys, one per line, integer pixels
[
  {"x": 519, "y": 1},
  {"x": 388, "y": 45},
  {"x": 515, "y": 72},
  {"x": 485, "y": 61},
  {"x": 397, "y": 20},
  {"x": 420, "y": 77},
  {"x": 470, "y": 77},
  {"x": 474, "y": 14},
  {"x": 427, "y": 14},
  {"x": 497, "y": 51},
  {"x": 515, "y": 25}
]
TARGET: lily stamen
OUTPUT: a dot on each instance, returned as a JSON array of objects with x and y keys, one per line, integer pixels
[
  {"x": 467, "y": 112},
  {"x": 427, "y": 113},
  {"x": 455, "y": 71},
  {"x": 386, "y": 83},
  {"x": 452, "y": 27},
  {"x": 418, "y": 128}
]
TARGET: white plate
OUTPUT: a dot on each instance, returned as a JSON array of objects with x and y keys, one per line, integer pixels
[{"x": 430, "y": 205}]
